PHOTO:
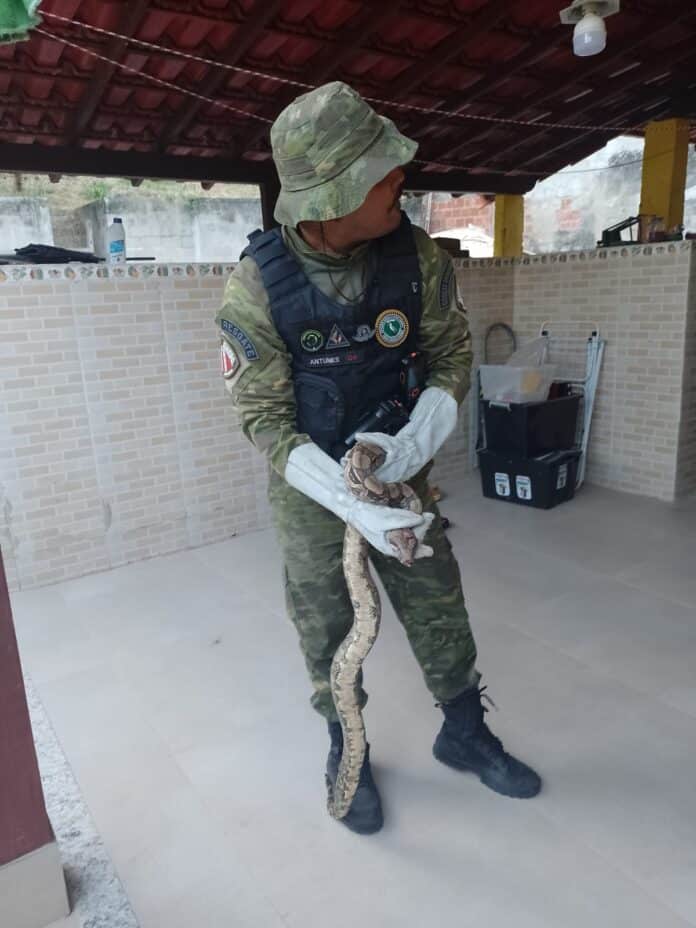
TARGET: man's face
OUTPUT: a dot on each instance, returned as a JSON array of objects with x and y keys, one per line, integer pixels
[{"x": 380, "y": 212}]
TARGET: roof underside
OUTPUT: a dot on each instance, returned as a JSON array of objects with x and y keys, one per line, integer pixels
[{"x": 62, "y": 110}]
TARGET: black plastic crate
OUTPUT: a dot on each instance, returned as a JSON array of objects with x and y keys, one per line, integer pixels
[
  {"x": 541, "y": 482},
  {"x": 531, "y": 429}
]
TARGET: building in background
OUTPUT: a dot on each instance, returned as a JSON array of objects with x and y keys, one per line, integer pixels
[
  {"x": 566, "y": 212},
  {"x": 180, "y": 222}
]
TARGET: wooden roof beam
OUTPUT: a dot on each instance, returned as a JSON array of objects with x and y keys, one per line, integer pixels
[
  {"x": 18, "y": 96},
  {"x": 54, "y": 159},
  {"x": 14, "y": 132},
  {"x": 582, "y": 148},
  {"x": 133, "y": 15},
  {"x": 202, "y": 14},
  {"x": 590, "y": 67},
  {"x": 648, "y": 109},
  {"x": 167, "y": 47},
  {"x": 680, "y": 52},
  {"x": 451, "y": 47},
  {"x": 328, "y": 61},
  {"x": 467, "y": 182},
  {"x": 496, "y": 75},
  {"x": 259, "y": 17}
]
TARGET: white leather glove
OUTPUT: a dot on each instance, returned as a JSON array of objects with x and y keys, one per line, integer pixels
[
  {"x": 432, "y": 421},
  {"x": 314, "y": 473}
]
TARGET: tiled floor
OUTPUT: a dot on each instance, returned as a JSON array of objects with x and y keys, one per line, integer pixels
[{"x": 179, "y": 695}]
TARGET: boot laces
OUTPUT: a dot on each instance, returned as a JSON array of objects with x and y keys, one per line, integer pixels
[
  {"x": 491, "y": 745},
  {"x": 484, "y": 695}
]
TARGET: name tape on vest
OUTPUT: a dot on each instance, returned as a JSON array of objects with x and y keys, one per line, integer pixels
[{"x": 329, "y": 360}]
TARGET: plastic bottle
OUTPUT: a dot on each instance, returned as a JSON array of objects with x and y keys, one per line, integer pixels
[{"x": 117, "y": 242}]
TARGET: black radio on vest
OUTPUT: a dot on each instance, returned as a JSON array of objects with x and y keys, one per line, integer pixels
[{"x": 348, "y": 361}]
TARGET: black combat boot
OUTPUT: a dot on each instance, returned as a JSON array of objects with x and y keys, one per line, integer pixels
[
  {"x": 365, "y": 813},
  {"x": 466, "y": 743}
]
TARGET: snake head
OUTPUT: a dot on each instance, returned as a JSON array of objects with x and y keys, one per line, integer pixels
[
  {"x": 405, "y": 544},
  {"x": 365, "y": 458}
]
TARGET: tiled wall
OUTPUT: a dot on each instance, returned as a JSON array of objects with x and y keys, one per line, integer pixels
[
  {"x": 638, "y": 297},
  {"x": 686, "y": 478},
  {"x": 117, "y": 440},
  {"x": 488, "y": 298}
]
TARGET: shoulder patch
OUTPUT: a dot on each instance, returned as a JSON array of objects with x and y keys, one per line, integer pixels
[
  {"x": 446, "y": 285},
  {"x": 248, "y": 347},
  {"x": 229, "y": 362},
  {"x": 233, "y": 363}
]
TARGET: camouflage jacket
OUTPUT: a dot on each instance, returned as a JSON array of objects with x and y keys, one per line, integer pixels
[{"x": 257, "y": 365}]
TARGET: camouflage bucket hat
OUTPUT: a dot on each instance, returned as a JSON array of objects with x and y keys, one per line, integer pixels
[{"x": 330, "y": 148}]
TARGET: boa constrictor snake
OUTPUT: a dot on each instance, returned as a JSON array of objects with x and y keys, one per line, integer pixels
[{"x": 361, "y": 462}]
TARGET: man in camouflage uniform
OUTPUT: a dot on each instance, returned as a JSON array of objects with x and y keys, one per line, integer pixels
[{"x": 316, "y": 320}]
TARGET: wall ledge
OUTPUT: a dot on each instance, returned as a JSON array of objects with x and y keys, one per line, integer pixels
[
  {"x": 571, "y": 257},
  {"x": 74, "y": 272}
]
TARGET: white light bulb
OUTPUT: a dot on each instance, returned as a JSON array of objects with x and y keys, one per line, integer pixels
[{"x": 590, "y": 36}]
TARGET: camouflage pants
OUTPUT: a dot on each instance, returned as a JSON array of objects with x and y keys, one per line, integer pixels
[{"x": 427, "y": 597}]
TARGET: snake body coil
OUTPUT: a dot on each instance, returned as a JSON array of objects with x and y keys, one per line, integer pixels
[{"x": 361, "y": 463}]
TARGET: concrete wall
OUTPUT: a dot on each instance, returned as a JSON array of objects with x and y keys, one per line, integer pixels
[
  {"x": 69, "y": 229},
  {"x": 212, "y": 229},
  {"x": 23, "y": 221},
  {"x": 203, "y": 229}
]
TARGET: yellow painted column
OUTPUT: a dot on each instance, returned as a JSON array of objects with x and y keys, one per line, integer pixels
[
  {"x": 664, "y": 171},
  {"x": 509, "y": 225}
]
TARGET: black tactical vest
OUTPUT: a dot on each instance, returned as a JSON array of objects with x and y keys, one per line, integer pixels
[{"x": 345, "y": 358}]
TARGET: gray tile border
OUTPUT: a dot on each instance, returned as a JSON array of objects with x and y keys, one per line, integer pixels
[{"x": 96, "y": 893}]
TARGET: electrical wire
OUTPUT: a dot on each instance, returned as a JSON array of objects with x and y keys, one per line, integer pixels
[
  {"x": 430, "y": 111},
  {"x": 249, "y": 114}
]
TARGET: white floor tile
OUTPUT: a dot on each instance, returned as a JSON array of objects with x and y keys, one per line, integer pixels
[{"x": 179, "y": 694}]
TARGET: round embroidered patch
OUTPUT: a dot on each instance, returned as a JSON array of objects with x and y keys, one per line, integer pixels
[
  {"x": 228, "y": 360},
  {"x": 391, "y": 328},
  {"x": 312, "y": 340}
]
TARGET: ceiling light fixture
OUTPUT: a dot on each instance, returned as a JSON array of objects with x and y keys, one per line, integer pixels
[{"x": 590, "y": 34}]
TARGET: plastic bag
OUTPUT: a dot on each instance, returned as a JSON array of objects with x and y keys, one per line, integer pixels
[
  {"x": 503, "y": 383},
  {"x": 531, "y": 354}
]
